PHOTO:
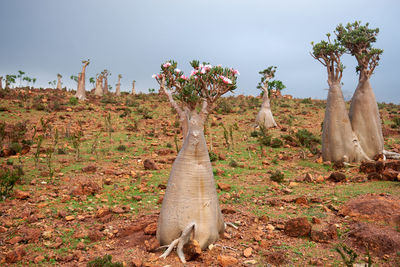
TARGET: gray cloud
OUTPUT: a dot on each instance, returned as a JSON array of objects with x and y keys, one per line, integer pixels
[{"x": 46, "y": 37}]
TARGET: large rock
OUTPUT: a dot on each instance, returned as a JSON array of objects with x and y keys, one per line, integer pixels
[
  {"x": 149, "y": 164},
  {"x": 323, "y": 233},
  {"x": 85, "y": 187},
  {"x": 226, "y": 261},
  {"x": 337, "y": 177},
  {"x": 373, "y": 207},
  {"x": 297, "y": 227},
  {"x": 379, "y": 240}
]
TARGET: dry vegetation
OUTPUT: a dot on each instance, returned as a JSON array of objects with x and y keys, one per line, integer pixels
[{"x": 94, "y": 174}]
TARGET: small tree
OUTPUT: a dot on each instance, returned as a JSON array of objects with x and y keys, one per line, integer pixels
[
  {"x": 264, "y": 117},
  {"x": 364, "y": 113},
  {"x": 27, "y": 80},
  {"x": 10, "y": 79},
  {"x": 1, "y": 82},
  {"x": 118, "y": 86},
  {"x": 33, "y": 82},
  {"x": 59, "y": 84},
  {"x": 133, "y": 87},
  {"x": 190, "y": 207},
  {"x": 20, "y": 75},
  {"x": 339, "y": 143},
  {"x": 92, "y": 81},
  {"x": 81, "y": 92}
]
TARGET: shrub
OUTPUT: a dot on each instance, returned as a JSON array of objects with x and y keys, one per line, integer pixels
[
  {"x": 276, "y": 142},
  {"x": 224, "y": 106},
  {"x": 233, "y": 163},
  {"x": 108, "y": 99},
  {"x": 145, "y": 112},
  {"x": 104, "y": 262},
  {"x": 16, "y": 148},
  {"x": 396, "y": 121},
  {"x": 73, "y": 100},
  {"x": 8, "y": 178},
  {"x": 308, "y": 140},
  {"x": 213, "y": 156},
  {"x": 306, "y": 101},
  {"x": 277, "y": 176},
  {"x": 121, "y": 148}
]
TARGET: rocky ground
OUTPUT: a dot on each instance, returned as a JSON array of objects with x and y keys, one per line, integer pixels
[{"x": 94, "y": 185}]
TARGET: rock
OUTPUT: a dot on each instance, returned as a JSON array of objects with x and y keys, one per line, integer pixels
[
  {"x": 221, "y": 156},
  {"x": 301, "y": 200},
  {"x": 137, "y": 198},
  {"x": 149, "y": 164},
  {"x": 21, "y": 194},
  {"x": 106, "y": 219},
  {"x": 368, "y": 167},
  {"x": 85, "y": 187},
  {"x": 192, "y": 250},
  {"x": 315, "y": 220},
  {"x": 47, "y": 234},
  {"x": 165, "y": 151},
  {"x": 38, "y": 259},
  {"x": 277, "y": 258},
  {"x": 15, "y": 240},
  {"x": 337, "y": 177},
  {"x": 374, "y": 176},
  {"x": 89, "y": 168},
  {"x": 381, "y": 240},
  {"x": 224, "y": 187},
  {"x": 31, "y": 235},
  {"x": 95, "y": 235},
  {"x": 151, "y": 229},
  {"x": 225, "y": 261},
  {"x": 390, "y": 175},
  {"x": 228, "y": 211},
  {"x": 151, "y": 244},
  {"x": 308, "y": 178},
  {"x": 323, "y": 234},
  {"x": 136, "y": 262},
  {"x": 297, "y": 227},
  {"x": 373, "y": 207},
  {"x": 101, "y": 212},
  {"x": 393, "y": 164},
  {"x": 69, "y": 218},
  {"x": 118, "y": 210},
  {"x": 15, "y": 255},
  {"x": 247, "y": 252},
  {"x": 107, "y": 181}
]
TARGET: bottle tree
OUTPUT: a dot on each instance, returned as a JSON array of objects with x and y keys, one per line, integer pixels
[
  {"x": 99, "y": 85},
  {"x": 59, "y": 84},
  {"x": 81, "y": 92},
  {"x": 118, "y": 86},
  {"x": 133, "y": 88},
  {"x": 264, "y": 117},
  {"x": 339, "y": 142},
  {"x": 105, "y": 73},
  {"x": 10, "y": 79},
  {"x": 1, "y": 82},
  {"x": 92, "y": 81},
  {"x": 190, "y": 208},
  {"x": 364, "y": 113}
]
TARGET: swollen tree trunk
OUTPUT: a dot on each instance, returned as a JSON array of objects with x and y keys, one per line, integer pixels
[
  {"x": 1, "y": 82},
  {"x": 191, "y": 199},
  {"x": 118, "y": 87},
  {"x": 133, "y": 87},
  {"x": 99, "y": 89},
  {"x": 339, "y": 143},
  {"x": 59, "y": 85},
  {"x": 365, "y": 118},
  {"x": 80, "y": 91},
  {"x": 105, "y": 87},
  {"x": 264, "y": 116}
]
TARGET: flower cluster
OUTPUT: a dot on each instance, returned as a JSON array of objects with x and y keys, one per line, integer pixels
[{"x": 225, "y": 79}]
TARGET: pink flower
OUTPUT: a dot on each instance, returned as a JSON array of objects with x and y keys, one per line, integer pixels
[
  {"x": 203, "y": 70},
  {"x": 235, "y": 72},
  {"x": 153, "y": 76},
  {"x": 177, "y": 70},
  {"x": 225, "y": 79},
  {"x": 183, "y": 77},
  {"x": 166, "y": 64},
  {"x": 194, "y": 72}
]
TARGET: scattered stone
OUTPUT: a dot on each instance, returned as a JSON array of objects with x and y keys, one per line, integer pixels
[
  {"x": 228, "y": 211},
  {"x": 367, "y": 167},
  {"x": 85, "y": 187},
  {"x": 137, "y": 262},
  {"x": 224, "y": 187},
  {"x": 89, "y": 168},
  {"x": 149, "y": 164},
  {"x": 108, "y": 181},
  {"x": 301, "y": 200},
  {"x": 390, "y": 175},
  {"x": 38, "y": 259},
  {"x": 21, "y": 194},
  {"x": 15, "y": 255},
  {"x": 247, "y": 252},
  {"x": 297, "y": 227},
  {"x": 137, "y": 198},
  {"x": 192, "y": 250},
  {"x": 165, "y": 151},
  {"x": 69, "y": 218},
  {"x": 337, "y": 177},
  {"x": 323, "y": 234},
  {"x": 118, "y": 210},
  {"x": 315, "y": 220},
  {"x": 277, "y": 258},
  {"x": 95, "y": 235},
  {"x": 374, "y": 176},
  {"x": 101, "y": 212},
  {"x": 226, "y": 261},
  {"x": 151, "y": 244},
  {"x": 15, "y": 240},
  {"x": 151, "y": 229}
]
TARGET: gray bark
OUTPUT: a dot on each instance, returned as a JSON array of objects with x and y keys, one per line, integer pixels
[
  {"x": 133, "y": 88},
  {"x": 365, "y": 118},
  {"x": 80, "y": 91},
  {"x": 264, "y": 116},
  {"x": 59, "y": 84},
  {"x": 339, "y": 143},
  {"x": 191, "y": 197},
  {"x": 99, "y": 89},
  {"x": 118, "y": 87},
  {"x": 1, "y": 82}
]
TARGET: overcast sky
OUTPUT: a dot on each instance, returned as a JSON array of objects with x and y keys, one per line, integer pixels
[{"x": 132, "y": 38}]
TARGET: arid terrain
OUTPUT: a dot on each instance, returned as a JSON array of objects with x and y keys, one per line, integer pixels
[{"x": 95, "y": 171}]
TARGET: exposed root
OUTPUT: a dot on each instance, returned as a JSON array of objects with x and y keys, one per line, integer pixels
[
  {"x": 231, "y": 225},
  {"x": 180, "y": 242},
  {"x": 391, "y": 155}
]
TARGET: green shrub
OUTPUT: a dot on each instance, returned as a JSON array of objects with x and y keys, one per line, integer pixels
[
  {"x": 108, "y": 99},
  {"x": 224, "y": 106},
  {"x": 277, "y": 176},
  {"x": 396, "y": 121},
  {"x": 8, "y": 178},
  {"x": 16, "y": 147},
  {"x": 308, "y": 140},
  {"x": 233, "y": 163},
  {"x": 213, "y": 156},
  {"x": 104, "y": 262},
  {"x": 121, "y": 148},
  {"x": 306, "y": 101},
  {"x": 254, "y": 134},
  {"x": 73, "y": 100},
  {"x": 276, "y": 142}
]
